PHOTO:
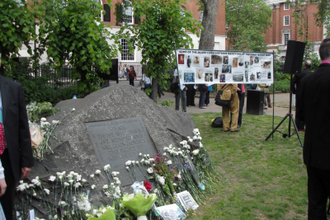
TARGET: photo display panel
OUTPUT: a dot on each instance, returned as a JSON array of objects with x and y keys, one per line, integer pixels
[{"x": 223, "y": 67}]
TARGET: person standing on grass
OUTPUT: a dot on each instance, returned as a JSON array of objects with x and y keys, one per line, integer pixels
[
  {"x": 313, "y": 108},
  {"x": 233, "y": 109},
  {"x": 296, "y": 81}
]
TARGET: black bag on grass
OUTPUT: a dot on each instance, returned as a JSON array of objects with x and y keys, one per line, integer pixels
[{"x": 217, "y": 122}]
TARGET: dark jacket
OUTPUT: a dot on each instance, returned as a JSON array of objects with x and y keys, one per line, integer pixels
[
  {"x": 314, "y": 108},
  {"x": 16, "y": 127}
]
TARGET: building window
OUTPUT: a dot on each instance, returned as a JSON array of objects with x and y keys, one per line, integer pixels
[
  {"x": 107, "y": 15},
  {"x": 286, "y": 38},
  {"x": 286, "y": 20},
  {"x": 286, "y": 6},
  {"x": 128, "y": 13},
  {"x": 125, "y": 54}
]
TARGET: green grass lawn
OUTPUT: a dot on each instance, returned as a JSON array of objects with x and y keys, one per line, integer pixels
[{"x": 258, "y": 179}]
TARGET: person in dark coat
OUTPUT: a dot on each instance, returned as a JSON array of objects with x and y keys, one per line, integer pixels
[
  {"x": 296, "y": 81},
  {"x": 17, "y": 157},
  {"x": 313, "y": 108},
  {"x": 191, "y": 92}
]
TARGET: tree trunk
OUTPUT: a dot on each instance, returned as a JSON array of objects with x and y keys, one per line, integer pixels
[
  {"x": 154, "y": 89},
  {"x": 209, "y": 19}
]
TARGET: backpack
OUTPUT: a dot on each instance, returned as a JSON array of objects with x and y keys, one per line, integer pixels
[{"x": 217, "y": 122}]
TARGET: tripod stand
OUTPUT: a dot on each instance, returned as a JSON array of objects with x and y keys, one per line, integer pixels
[{"x": 290, "y": 116}]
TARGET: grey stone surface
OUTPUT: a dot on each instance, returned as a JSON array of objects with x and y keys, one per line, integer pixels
[{"x": 76, "y": 153}]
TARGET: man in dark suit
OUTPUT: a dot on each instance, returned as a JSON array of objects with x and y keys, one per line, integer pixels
[
  {"x": 313, "y": 108},
  {"x": 296, "y": 81},
  {"x": 17, "y": 158}
]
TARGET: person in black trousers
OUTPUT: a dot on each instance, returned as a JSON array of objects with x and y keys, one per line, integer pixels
[
  {"x": 241, "y": 98},
  {"x": 313, "y": 108}
]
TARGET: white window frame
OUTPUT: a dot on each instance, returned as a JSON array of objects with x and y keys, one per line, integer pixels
[
  {"x": 125, "y": 54},
  {"x": 286, "y": 6},
  {"x": 128, "y": 14},
  {"x": 286, "y": 20}
]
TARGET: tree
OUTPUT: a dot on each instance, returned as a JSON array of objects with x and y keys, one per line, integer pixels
[
  {"x": 322, "y": 17},
  {"x": 17, "y": 25},
  {"x": 210, "y": 11},
  {"x": 247, "y": 21},
  {"x": 71, "y": 32},
  {"x": 163, "y": 28}
]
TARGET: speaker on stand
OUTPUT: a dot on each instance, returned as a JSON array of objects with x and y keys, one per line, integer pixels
[{"x": 293, "y": 63}]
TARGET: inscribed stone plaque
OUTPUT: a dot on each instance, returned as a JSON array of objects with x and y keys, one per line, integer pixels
[{"x": 117, "y": 141}]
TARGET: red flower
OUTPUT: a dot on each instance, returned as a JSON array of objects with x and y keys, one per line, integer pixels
[{"x": 147, "y": 185}]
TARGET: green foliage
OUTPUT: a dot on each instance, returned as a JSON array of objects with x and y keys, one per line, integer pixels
[
  {"x": 17, "y": 25},
  {"x": 159, "y": 33},
  {"x": 321, "y": 17},
  {"x": 247, "y": 23},
  {"x": 77, "y": 39},
  {"x": 36, "y": 111},
  {"x": 45, "y": 87},
  {"x": 165, "y": 103}
]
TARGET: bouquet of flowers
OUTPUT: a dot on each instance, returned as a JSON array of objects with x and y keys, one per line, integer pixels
[{"x": 140, "y": 203}]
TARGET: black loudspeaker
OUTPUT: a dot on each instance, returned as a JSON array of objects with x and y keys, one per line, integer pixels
[
  {"x": 294, "y": 56},
  {"x": 255, "y": 102}
]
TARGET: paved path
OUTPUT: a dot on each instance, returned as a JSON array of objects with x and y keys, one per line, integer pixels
[{"x": 281, "y": 103}]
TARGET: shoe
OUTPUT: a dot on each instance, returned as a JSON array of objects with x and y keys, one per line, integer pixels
[
  {"x": 202, "y": 107},
  {"x": 265, "y": 107},
  {"x": 269, "y": 106},
  {"x": 235, "y": 130},
  {"x": 226, "y": 131}
]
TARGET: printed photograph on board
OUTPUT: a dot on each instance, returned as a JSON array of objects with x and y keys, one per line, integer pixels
[
  {"x": 251, "y": 60},
  {"x": 256, "y": 60},
  {"x": 196, "y": 61},
  {"x": 238, "y": 77},
  {"x": 208, "y": 77},
  {"x": 241, "y": 62},
  {"x": 252, "y": 77},
  {"x": 225, "y": 60},
  {"x": 226, "y": 68},
  {"x": 189, "y": 77},
  {"x": 207, "y": 62},
  {"x": 216, "y": 73},
  {"x": 199, "y": 73},
  {"x": 222, "y": 78},
  {"x": 235, "y": 62},
  {"x": 246, "y": 76},
  {"x": 266, "y": 64},
  {"x": 181, "y": 59},
  {"x": 216, "y": 59},
  {"x": 188, "y": 61},
  {"x": 247, "y": 63}
]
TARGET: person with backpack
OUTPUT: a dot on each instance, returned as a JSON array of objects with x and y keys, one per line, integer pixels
[{"x": 233, "y": 109}]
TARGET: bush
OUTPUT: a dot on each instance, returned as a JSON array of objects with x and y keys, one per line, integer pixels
[{"x": 43, "y": 84}]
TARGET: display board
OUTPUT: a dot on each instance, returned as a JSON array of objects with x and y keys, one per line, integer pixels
[{"x": 220, "y": 67}]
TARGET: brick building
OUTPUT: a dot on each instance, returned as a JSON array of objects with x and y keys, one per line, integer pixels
[
  {"x": 134, "y": 59},
  {"x": 284, "y": 29}
]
